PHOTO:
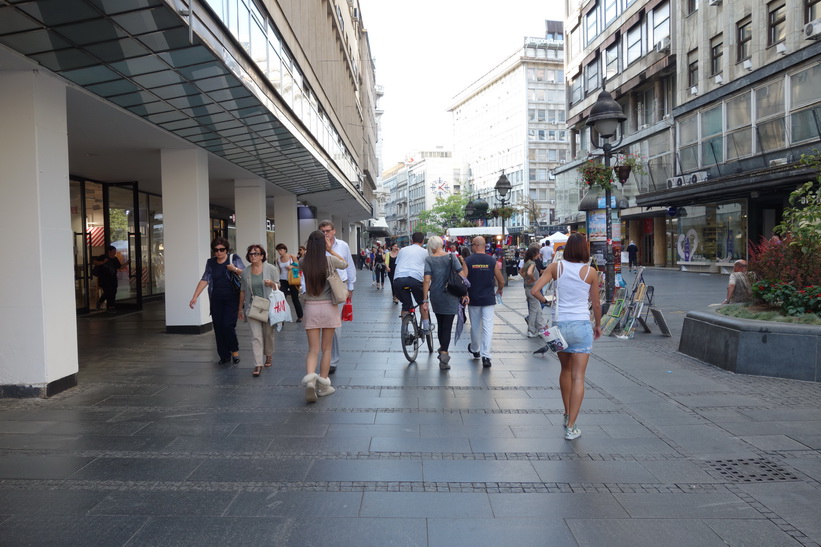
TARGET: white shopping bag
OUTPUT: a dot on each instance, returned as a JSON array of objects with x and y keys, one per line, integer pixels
[{"x": 278, "y": 311}]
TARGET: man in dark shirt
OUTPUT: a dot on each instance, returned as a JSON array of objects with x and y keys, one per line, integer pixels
[
  {"x": 633, "y": 256},
  {"x": 482, "y": 272},
  {"x": 105, "y": 269}
]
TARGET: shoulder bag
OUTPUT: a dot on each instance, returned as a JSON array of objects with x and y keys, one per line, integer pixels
[
  {"x": 294, "y": 275},
  {"x": 455, "y": 284},
  {"x": 339, "y": 292},
  {"x": 552, "y": 335},
  {"x": 259, "y": 306},
  {"x": 236, "y": 280}
]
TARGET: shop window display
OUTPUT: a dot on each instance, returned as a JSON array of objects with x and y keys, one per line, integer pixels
[{"x": 712, "y": 234}]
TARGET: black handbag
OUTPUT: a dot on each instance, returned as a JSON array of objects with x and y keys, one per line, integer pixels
[
  {"x": 236, "y": 280},
  {"x": 456, "y": 284}
]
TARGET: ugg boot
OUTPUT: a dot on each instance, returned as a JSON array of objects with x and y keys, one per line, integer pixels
[
  {"x": 309, "y": 381},
  {"x": 323, "y": 386}
]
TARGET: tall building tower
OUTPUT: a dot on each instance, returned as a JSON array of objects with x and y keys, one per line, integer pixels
[{"x": 512, "y": 120}]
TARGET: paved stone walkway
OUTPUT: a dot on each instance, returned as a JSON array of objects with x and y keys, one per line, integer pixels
[{"x": 159, "y": 445}]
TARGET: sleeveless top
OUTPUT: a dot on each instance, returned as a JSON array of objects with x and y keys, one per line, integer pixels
[
  {"x": 573, "y": 292},
  {"x": 283, "y": 267}
]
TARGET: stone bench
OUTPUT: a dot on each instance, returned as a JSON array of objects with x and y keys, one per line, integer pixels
[{"x": 748, "y": 346}]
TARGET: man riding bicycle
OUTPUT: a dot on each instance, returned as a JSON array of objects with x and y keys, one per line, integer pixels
[{"x": 409, "y": 271}]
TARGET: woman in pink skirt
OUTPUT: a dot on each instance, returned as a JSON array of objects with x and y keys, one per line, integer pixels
[{"x": 320, "y": 314}]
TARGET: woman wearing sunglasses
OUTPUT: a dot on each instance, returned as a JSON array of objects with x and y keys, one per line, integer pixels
[
  {"x": 258, "y": 279},
  {"x": 223, "y": 296}
]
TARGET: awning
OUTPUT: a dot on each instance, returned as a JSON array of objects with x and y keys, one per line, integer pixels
[{"x": 476, "y": 231}]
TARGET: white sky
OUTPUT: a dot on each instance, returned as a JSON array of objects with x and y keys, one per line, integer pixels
[{"x": 427, "y": 51}]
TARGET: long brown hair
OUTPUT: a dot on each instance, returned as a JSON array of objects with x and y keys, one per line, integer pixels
[{"x": 315, "y": 264}]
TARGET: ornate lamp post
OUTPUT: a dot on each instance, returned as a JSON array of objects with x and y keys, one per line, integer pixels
[
  {"x": 606, "y": 116},
  {"x": 502, "y": 188}
]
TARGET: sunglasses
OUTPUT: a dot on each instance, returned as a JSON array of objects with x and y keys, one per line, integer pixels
[
  {"x": 254, "y": 254},
  {"x": 220, "y": 249}
]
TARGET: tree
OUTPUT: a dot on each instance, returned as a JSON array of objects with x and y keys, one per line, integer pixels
[
  {"x": 530, "y": 207},
  {"x": 434, "y": 221},
  {"x": 802, "y": 220}
]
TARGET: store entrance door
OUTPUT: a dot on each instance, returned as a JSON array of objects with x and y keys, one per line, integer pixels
[{"x": 104, "y": 214}]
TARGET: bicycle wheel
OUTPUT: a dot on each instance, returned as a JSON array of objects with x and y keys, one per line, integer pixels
[{"x": 409, "y": 336}]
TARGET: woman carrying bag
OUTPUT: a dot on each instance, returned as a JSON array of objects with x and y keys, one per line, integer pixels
[
  {"x": 321, "y": 314},
  {"x": 258, "y": 279},
  {"x": 576, "y": 284},
  {"x": 290, "y": 278}
]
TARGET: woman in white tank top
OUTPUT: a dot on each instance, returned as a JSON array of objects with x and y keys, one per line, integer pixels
[{"x": 576, "y": 285}]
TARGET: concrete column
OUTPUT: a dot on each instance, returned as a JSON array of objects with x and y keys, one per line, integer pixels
[
  {"x": 250, "y": 205},
  {"x": 187, "y": 238},
  {"x": 308, "y": 222},
  {"x": 660, "y": 242},
  {"x": 37, "y": 307},
  {"x": 286, "y": 223}
]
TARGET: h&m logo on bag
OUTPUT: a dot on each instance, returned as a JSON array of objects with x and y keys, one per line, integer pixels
[{"x": 279, "y": 306}]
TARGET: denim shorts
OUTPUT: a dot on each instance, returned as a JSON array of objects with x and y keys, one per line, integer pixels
[{"x": 578, "y": 334}]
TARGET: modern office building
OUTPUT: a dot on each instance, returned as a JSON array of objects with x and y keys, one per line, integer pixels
[
  {"x": 154, "y": 125},
  {"x": 512, "y": 120},
  {"x": 719, "y": 102}
]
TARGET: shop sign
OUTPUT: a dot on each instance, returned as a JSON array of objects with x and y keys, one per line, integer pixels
[{"x": 648, "y": 226}]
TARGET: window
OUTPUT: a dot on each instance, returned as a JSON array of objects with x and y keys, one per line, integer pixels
[
  {"x": 634, "y": 44},
  {"x": 609, "y": 11},
  {"x": 592, "y": 76},
  {"x": 611, "y": 61},
  {"x": 813, "y": 10},
  {"x": 744, "y": 39},
  {"x": 592, "y": 26},
  {"x": 716, "y": 53},
  {"x": 769, "y": 107},
  {"x": 739, "y": 118},
  {"x": 692, "y": 68},
  {"x": 661, "y": 22},
  {"x": 776, "y": 23},
  {"x": 688, "y": 138},
  {"x": 575, "y": 90},
  {"x": 712, "y": 140},
  {"x": 692, "y": 6}
]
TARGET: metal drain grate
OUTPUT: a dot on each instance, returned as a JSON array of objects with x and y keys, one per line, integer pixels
[{"x": 756, "y": 470}]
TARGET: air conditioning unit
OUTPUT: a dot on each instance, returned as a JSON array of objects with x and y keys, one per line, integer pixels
[
  {"x": 685, "y": 180},
  {"x": 812, "y": 30},
  {"x": 718, "y": 79},
  {"x": 714, "y": 2},
  {"x": 694, "y": 90},
  {"x": 663, "y": 45},
  {"x": 778, "y": 161}
]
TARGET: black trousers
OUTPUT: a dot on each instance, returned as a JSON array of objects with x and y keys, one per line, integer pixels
[
  {"x": 224, "y": 316},
  {"x": 292, "y": 290},
  {"x": 380, "y": 273},
  {"x": 444, "y": 324},
  {"x": 109, "y": 293}
]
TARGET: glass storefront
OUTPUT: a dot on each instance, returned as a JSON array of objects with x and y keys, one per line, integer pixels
[{"x": 712, "y": 235}]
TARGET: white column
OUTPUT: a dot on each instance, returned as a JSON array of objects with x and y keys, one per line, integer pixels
[
  {"x": 249, "y": 205},
  {"x": 37, "y": 309},
  {"x": 187, "y": 237},
  {"x": 308, "y": 222},
  {"x": 286, "y": 223}
]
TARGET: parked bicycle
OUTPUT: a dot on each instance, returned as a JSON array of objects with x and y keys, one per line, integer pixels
[{"x": 411, "y": 333}]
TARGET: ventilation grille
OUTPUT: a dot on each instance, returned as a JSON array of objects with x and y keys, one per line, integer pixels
[{"x": 755, "y": 470}]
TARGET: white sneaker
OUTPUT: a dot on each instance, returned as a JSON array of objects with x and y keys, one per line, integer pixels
[
  {"x": 309, "y": 381},
  {"x": 323, "y": 386},
  {"x": 279, "y": 326},
  {"x": 571, "y": 433},
  {"x": 532, "y": 334}
]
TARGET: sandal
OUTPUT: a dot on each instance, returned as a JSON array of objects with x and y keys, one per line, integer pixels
[
  {"x": 268, "y": 361},
  {"x": 257, "y": 370}
]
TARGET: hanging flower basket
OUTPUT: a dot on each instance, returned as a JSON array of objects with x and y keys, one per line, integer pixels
[
  {"x": 636, "y": 164},
  {"x": 594, "y": 173}
]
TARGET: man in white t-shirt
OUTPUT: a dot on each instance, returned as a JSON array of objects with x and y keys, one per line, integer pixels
[
  {"x": 409, "y": 271},
  {"x": 547, "y": 253}
]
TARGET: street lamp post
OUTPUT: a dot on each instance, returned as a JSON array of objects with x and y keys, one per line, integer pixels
[
  {"x": 606, "y": 116},
  {"x": 502, "y": 187}
]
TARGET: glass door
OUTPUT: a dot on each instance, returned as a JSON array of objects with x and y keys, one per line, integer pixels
[
  {"x": 122, "y": 221},
  {"x": 81, "y": 269}
]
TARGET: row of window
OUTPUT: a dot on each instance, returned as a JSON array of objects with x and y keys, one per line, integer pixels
[
  {"x": 257, "y": 34},
  {"x": 548, "y": 135},
  {"x": 545, "y": 75},
  {"x": 545, "y": 115},
  {"x": 774, "y": 116},
  {"x": 548, "y": 154}
]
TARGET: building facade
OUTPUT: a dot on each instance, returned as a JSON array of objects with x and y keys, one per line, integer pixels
[
  {"x": 719, "y": 104},
  {"x": 155, "y": 125},
  {"x": 512, "y": 120}
]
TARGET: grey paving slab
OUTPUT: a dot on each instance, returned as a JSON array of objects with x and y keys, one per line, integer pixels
[
  {"x": 139, "y": 469},
  {"x": 164, "y": 503},
  {"x": 206, "y": 530},
  {"x": 774, "y": 442},
  {"x": 555, "y": 444},
  {"x": 439, "y": 505},
  {"x": 750, "y": 532},
  {"x": 216, "y": 470},
  {"x": 527, "y": 532},
  {"x": 295, "y": 504},
  {"x": 302, "y": 445},
  {"x": 644, "y": 533},
  {"x": 48, "y": 502},
  {"x": 694, "y": 505},
  {"x": 796, "y": 503},
  {"x": 702, "y": 439},
  {"x": 403, "y": 444},
  {"x": 17, "y": 466},
  {"x": 678, "y": 472},
  {"x": 473, "y": 431},
  {"x": 479, "y": 471},
  {"x": 219, "y": 445},
  {"x": 558, "y": 505},
  {"x": 365, "y": 470},
  {"x": 604, "y": 472},
  {"x": 634, "y": 446},
  {"x": 367, "y": 532},
  {"x": 69, "y": 530}
]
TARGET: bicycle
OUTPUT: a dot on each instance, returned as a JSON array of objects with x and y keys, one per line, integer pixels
[{"x": 411, "y": 334}]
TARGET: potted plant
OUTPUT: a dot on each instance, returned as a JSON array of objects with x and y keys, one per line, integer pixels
[
  {"x": 629, "y": 163},
  {"x": 594, "y": 173}
]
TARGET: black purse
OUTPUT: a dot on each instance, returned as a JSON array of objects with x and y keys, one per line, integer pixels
[
  {"x": 236, "y": 280},
  {"x": 456, "y": 283}
]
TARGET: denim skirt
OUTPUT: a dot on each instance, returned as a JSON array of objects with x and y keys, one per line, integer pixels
[{"x": 578, "y": 334}]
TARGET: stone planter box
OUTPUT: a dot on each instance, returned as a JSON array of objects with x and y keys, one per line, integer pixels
[{"x": 747, "y": 346}]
